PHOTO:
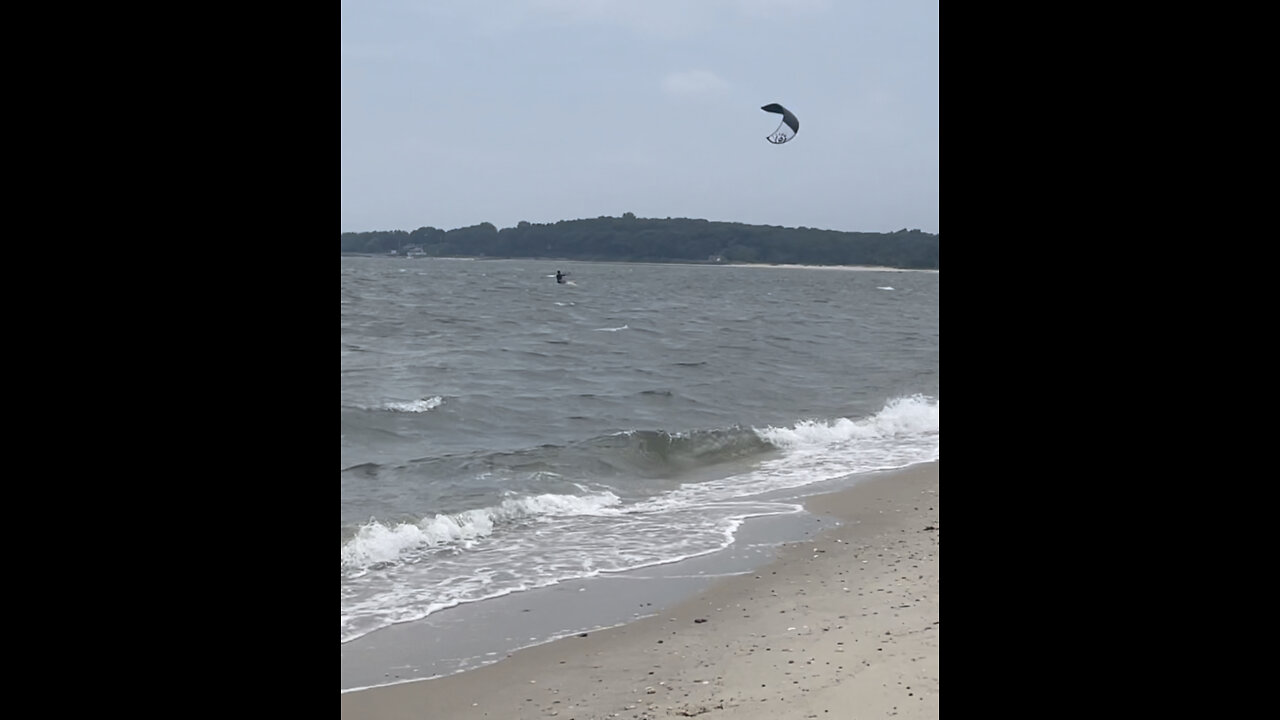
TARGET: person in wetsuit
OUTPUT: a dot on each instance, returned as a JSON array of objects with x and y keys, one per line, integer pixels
[{"x": 559, "y": 277}]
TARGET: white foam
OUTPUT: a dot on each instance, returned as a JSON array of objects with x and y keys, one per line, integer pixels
[
  {"x": 551, "y": 504},
  {"x": 376, "y": 542},
  {"x": 904, "y": 432},
  {"x": 911, "y": 415},
  {"x": 416, "y": 406}
]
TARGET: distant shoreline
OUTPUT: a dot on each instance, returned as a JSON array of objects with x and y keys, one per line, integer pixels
[
  {"x": 684, "y": 240},
  {"x": 787, "y": 266}
]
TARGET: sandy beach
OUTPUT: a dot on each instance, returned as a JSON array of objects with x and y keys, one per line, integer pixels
[{"x": 844, "y": 625}]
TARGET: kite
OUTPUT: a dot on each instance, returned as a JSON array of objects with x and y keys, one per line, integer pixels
[{"x": 779, "y": 136}]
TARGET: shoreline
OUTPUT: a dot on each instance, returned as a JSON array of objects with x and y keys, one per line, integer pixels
[
  {"x": 474, "y": 634},
  {"x": 848, "y": 617}
]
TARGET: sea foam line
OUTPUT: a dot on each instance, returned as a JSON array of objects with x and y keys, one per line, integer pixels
[
  {"x": 376, "y": 542},
  {"x": 415, "y": 406}
]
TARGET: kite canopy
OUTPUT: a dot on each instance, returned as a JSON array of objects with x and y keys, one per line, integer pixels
[{"x": 779, "y": 136}]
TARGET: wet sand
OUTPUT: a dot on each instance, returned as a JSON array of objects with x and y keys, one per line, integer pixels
[{"x": 844, "y": 625}]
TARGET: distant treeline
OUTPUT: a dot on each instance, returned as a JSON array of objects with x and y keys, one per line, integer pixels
[{"x": 629, "y": 238}]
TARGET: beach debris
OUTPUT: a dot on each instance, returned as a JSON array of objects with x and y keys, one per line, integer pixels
[
  {"x": 699, "y": 620},
  {"x": 693, "y": 710}
]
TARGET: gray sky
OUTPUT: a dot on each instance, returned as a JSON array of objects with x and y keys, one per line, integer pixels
[{"x": 457, "y": 112}]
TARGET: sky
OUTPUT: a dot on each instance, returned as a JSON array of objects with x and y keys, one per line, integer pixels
[{"x": 459, "y": 112}]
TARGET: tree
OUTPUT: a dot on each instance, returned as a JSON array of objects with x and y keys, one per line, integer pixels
[{"x": 669, "y": 239}]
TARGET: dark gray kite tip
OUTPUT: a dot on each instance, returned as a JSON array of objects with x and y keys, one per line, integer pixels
[{"x": 779, "y": 136}]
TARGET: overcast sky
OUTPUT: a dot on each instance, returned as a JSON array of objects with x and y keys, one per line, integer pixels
[{"x": 457, "y": 112}]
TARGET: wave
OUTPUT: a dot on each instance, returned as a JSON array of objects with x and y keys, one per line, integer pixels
[
  {"x": 658, "y": 452},
  {"x": 421, "y": 405},
  {"x": 912, "y": 415},
  {"x": 377, "y": 544},
  {"x": 666, "y": 455},
  {"x": 415, "y": 406},
  {"x": 903, "y": 432},
  {"x": 650, "y": 465},
  {"x": 629, "y": 454}
]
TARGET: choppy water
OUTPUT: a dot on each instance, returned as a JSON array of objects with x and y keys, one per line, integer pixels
[{"x": 501, "y": 431}]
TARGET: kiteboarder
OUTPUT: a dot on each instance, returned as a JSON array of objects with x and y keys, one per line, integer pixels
[{"x": 559, "y": 277}]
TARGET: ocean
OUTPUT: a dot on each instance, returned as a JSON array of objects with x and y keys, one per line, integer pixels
[{"x": 502, "y": 432}]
